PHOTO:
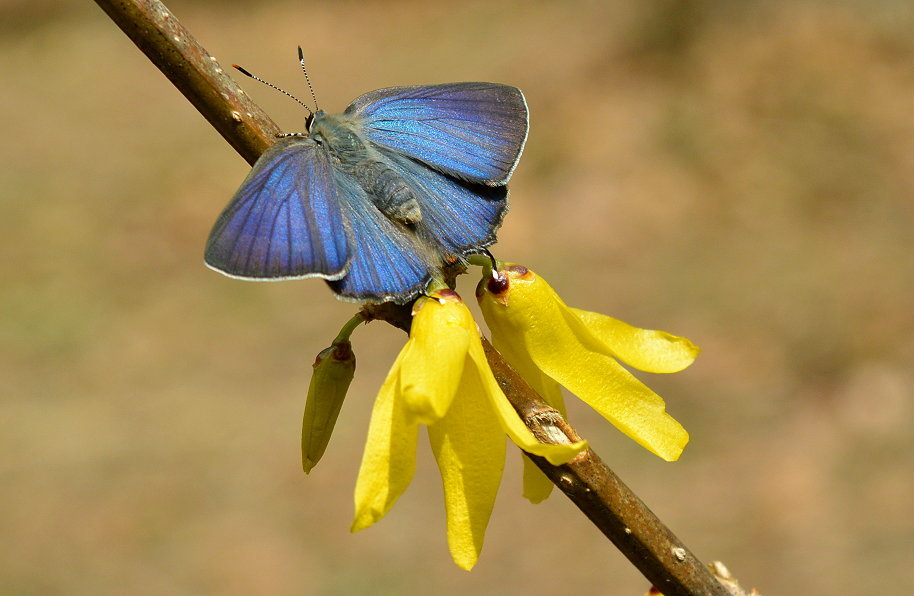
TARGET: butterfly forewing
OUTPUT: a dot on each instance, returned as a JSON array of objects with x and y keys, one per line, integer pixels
[
  {"x": 285, "y": 221},
  {"x": 472, "y": 131}
]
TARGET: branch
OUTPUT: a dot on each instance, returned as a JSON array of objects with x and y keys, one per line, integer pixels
[
  {"x": 592, "y": 486},
  {"x": 196, "y": 74}
]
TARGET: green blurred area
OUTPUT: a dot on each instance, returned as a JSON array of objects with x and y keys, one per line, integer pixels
[{"x": 738, "y": 173}]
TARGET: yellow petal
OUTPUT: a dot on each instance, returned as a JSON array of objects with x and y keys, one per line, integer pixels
[
  {"x": 530, "y": 315},
  {"x": 469, "y": 446},
  {"x": 511, "y": 423},
  {"x": 645, "y": 349},
  {"x": 520, "y": 361},
  {"x": 389, "y": 460},
  {"x": 434, "y": 357},
  {"x": 537, "y": 486},
  {"x": 622, "y": 399},
  {"x": 333, "y": 371}
]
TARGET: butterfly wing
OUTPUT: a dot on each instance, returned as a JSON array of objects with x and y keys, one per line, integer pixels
[
  {"x": 460, "y": 216},
  {"x": 471, "y": 131},
  {"x": 388, "y": 263},
  {"x": 285, "y": 222}
]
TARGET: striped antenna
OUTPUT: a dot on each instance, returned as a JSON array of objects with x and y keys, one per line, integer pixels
[
  {"x": 301, "y": 60},
  {"x": 283, "y": 91}
]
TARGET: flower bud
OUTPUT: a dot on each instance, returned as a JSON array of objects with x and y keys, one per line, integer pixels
[{"x": 334, "y": 368}]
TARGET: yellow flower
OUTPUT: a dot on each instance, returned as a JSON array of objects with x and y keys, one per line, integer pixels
[
  {"x": 441, "y": 379},
  {"x": 550, "y": 343}
]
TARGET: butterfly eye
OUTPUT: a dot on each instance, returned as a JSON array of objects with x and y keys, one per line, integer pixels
[{"x": 308, "y": 122}]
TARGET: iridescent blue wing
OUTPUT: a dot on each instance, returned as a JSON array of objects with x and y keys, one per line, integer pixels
[
  {"x": 285, "y": 222},
  {"x": 460, "y": 216},
  {"x": 388, "y": 263},
  {"x": 471, "y": 131}
]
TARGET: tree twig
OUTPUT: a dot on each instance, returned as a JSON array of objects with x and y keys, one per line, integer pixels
[
  {"x": 196, "y": 74},
  {"x": 587, "y": 481}
]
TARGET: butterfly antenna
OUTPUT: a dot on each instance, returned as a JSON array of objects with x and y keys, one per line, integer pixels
[
  {"x": 301, "y": 60},
  {"x": 283, "y": 91}
]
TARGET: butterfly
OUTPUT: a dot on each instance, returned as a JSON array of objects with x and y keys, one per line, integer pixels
[{"x": 379, "y": 199}]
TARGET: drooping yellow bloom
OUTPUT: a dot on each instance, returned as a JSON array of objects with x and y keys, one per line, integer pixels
[
  {"x": 441, "y": 379},
  {"x": 550, "y": 343}
]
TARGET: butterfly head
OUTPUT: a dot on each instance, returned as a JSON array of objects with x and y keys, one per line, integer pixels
[
  {"x": 312, "y": 116},
  {"x": 337, "y": 132}
]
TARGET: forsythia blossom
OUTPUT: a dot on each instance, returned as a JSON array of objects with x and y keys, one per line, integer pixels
[
  {"x": 552, "y": 344},
  {"x": 442, "y": 379}
]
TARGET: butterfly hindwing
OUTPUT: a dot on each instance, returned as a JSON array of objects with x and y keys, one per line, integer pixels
[
  {"x": 460, "y": 216},
  {"x": 471, "y": 131},
  {"x": 285, "y": 221},
  {"x": 388, "y": 263}
]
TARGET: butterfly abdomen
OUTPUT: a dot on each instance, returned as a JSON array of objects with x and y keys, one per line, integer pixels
[{"x": 388, "y": 191}]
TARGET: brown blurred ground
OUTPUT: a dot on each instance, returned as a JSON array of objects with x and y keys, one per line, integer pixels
[{"x": 739, "y": 174}]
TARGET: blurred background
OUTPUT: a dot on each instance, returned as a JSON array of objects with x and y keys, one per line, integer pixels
[{"x": 738, "y": 173}]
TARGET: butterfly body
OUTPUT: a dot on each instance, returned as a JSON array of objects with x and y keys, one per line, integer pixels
[
  {"x": 379, "y": 199},
  {"x": 383, "y": 185}
]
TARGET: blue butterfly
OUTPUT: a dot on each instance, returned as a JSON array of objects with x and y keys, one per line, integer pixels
[{"x": 379, "y": 199}]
